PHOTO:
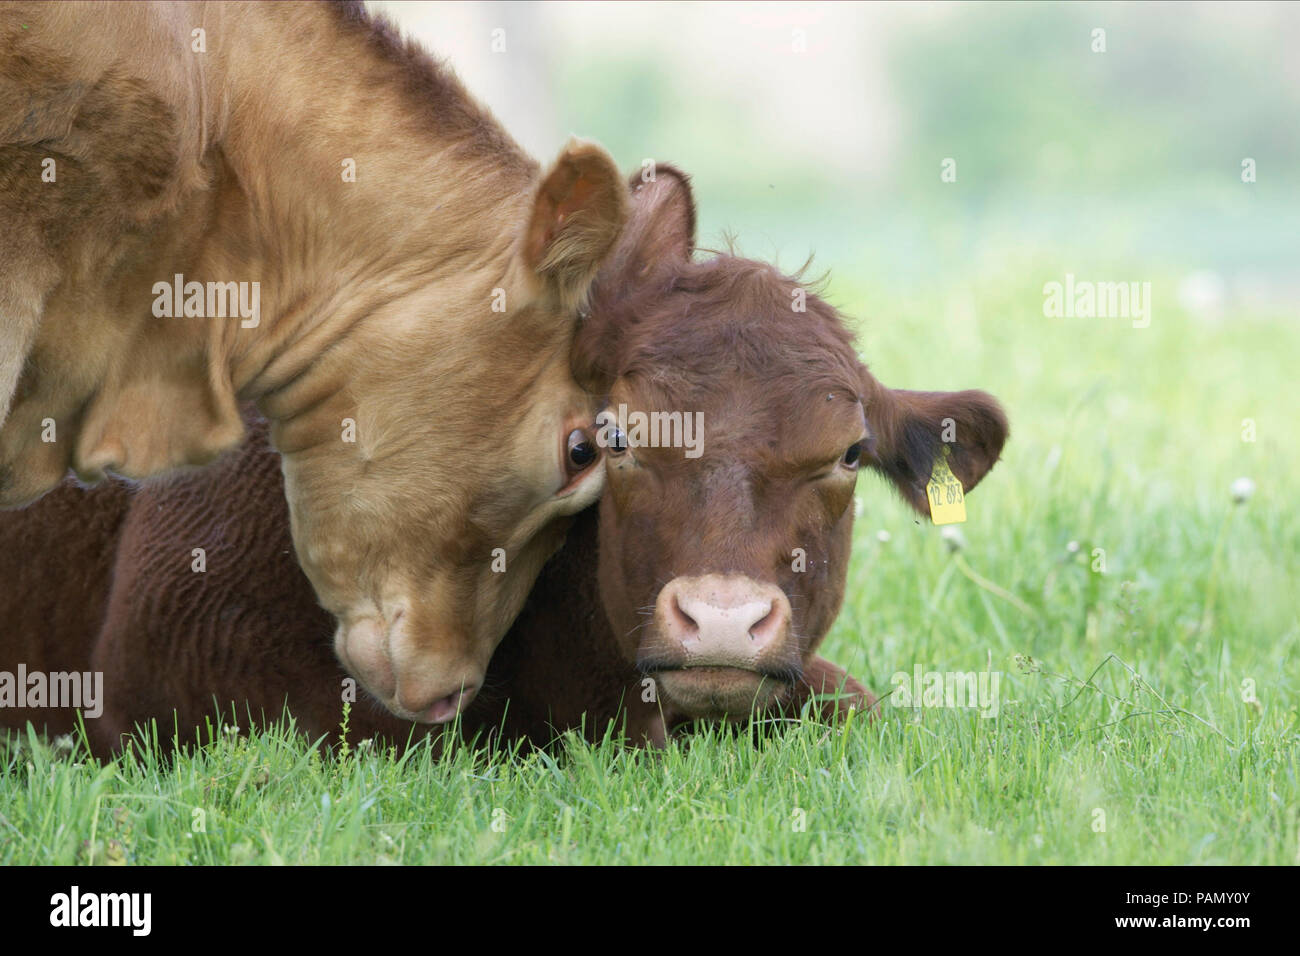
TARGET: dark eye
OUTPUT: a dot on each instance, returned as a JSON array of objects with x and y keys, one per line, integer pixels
[
  {"x": 615, "y": 440},
  {"x": 852, "y": 454},
  {"x": 581, "y": 450}
]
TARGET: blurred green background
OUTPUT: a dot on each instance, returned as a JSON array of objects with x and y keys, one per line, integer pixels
[{"x": 821, "y": 127}]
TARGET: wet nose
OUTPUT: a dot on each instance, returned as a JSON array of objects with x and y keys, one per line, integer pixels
[{"x": 723, "y": 620}]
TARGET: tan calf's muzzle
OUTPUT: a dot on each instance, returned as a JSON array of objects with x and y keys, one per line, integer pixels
[{"x": 414, "y": 680}]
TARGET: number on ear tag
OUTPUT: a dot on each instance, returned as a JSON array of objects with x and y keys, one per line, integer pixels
[{"x": 947, "y": 501}]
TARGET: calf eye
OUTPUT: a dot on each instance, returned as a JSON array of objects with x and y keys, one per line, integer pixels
[
  {"x": 581, "y": 450},
  {"x": 852, "y": 454},
  {"x": 617, "y": 440}
]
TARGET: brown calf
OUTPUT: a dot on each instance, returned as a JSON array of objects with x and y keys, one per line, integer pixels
[
  {"x": 687, "y": 585},
  {"x": 720, "y": 574},
  {"x": 209, "y": 203}
]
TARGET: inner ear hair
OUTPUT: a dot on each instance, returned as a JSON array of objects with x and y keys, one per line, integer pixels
[
  {"x": 581, "y": 207},
  {"x": 663, "y": 218},
  {"x": 970, "y": 424},
  {"x": 915, "y": 428}
]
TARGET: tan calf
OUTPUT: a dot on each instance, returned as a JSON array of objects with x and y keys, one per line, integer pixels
[{"x": 284, "y": 203}]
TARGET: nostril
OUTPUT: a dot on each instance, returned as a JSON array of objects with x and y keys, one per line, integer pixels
[
  {"x": 769, "y": 625},
  {"x": 686, "y": 627}
]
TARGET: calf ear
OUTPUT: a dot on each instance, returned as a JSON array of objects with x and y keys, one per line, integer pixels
[
  {"x": 660, "y": 229},
  {"x": 911, "y": 429},
  {"x": 579, "y": 210}
]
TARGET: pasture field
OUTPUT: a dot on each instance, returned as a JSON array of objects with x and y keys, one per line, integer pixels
[{"x": 1146, "y": 713}]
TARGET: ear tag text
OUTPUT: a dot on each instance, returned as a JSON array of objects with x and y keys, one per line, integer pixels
[{"x": 947, "y": 501}]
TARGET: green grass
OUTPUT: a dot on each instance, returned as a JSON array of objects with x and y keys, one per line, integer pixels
[{"x": 1121, "y": 693}]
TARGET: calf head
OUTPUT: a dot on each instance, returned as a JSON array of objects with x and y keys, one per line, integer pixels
[
  {"x": 424, "y": 535},
  {"x": 723, "y": 562}
]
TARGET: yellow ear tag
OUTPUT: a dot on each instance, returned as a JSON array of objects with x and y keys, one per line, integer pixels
[{"x": 947, "y": 501}]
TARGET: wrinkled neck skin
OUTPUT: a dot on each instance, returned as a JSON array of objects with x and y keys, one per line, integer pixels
[
  {"x": 263, "y": 133},
  {"x": 325, "y": 276}
]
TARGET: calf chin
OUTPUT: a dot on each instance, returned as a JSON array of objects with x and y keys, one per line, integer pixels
[{"x": 709, "y": 693}]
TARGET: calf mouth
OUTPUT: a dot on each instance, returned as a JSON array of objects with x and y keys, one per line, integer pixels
[{"x": 717, "y": 692}]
